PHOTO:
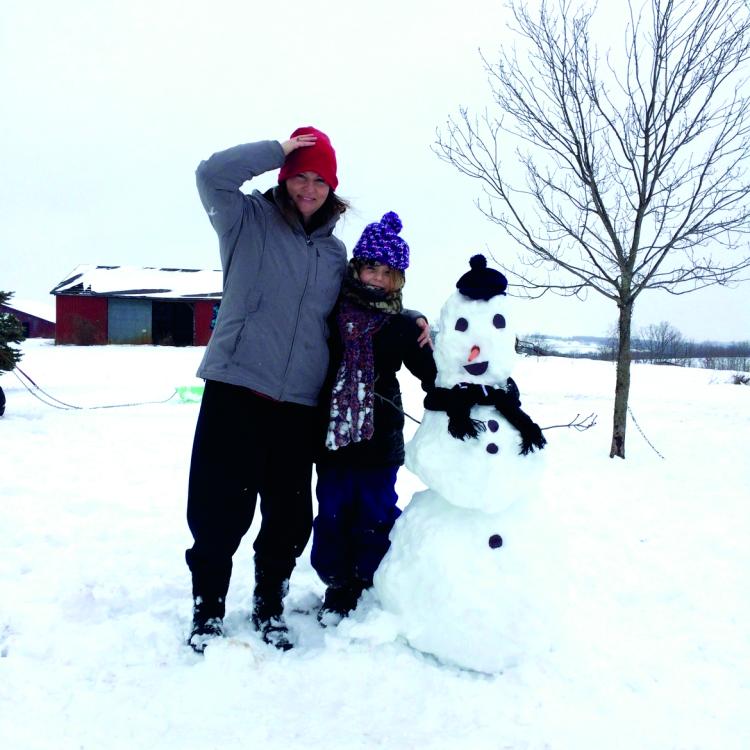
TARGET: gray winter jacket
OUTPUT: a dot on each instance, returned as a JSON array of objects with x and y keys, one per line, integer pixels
[{"x": 280, "y": 284}]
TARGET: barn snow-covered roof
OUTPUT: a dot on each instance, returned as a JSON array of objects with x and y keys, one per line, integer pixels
[
  {"x": 41, "y": 310},
  {"x": 134, "y": 281}
]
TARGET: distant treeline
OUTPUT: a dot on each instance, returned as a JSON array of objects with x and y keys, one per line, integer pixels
[{"x": 657, "y": 344}]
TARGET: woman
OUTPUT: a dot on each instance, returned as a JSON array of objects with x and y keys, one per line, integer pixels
[{"x": 263, "y": 368}]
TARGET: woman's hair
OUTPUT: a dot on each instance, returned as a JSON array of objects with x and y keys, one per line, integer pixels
[
  {"x": 332, "y": 206},
  {"x": 398, "y": 276}
]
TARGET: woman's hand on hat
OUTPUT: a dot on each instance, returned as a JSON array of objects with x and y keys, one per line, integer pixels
[{"x": 299, "y": 141}]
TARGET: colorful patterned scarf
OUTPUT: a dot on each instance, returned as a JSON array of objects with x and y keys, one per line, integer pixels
[{"x": 362, "y": 312}]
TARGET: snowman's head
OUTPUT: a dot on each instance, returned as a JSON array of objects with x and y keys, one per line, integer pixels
[{"x": 477, "y": 339}]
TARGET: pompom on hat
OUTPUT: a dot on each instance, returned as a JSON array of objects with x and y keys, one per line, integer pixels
[
  {"x": 481, "y": 282},
  {"x": 320, "y": 158},
  {"x": 380, "y": 243}
]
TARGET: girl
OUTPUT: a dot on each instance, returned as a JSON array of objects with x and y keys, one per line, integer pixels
[{"x": 364, "y": 443}]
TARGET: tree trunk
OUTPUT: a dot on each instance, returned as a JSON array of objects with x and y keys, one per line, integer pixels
[{"x": 622, "y": 382}]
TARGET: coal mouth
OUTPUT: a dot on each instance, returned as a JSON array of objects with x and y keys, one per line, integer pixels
[{"x": 476, "y": 368}]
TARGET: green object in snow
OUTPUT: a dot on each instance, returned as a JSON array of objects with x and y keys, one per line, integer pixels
[{"x": 190, "y": 393}]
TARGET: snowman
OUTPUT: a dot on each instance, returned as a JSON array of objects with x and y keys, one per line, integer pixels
[{"x": 467, "y": 576}]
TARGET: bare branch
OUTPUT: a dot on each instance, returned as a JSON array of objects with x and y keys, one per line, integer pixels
[
  {"x": 635, "y": 168},
  {"x": 577, "y": 423}
]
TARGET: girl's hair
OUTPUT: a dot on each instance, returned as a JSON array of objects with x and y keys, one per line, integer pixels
[
  {"x": 333, "y": 205},
  {"x": 398, "y": 276}
]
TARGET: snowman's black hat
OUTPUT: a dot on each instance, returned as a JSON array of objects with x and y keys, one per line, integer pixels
[{"x": 481, "y": 282}]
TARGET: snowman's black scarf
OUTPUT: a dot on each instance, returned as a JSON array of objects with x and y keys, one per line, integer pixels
[{"x": 456, "y": 402}]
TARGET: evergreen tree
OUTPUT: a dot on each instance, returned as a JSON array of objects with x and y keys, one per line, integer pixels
[{"x": 11, "y": 332}]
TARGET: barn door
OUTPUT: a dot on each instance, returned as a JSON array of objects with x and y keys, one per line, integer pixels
[
  {"x": 129, "y": 321},
  {"x": 172, "y": 323}
]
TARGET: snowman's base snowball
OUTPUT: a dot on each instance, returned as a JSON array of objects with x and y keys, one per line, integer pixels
[{"x": 474, "y": 589}]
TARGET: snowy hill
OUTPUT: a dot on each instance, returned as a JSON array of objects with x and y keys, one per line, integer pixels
[
  {"x": 583, "y": 346},
  {"x": 652, "y": 652}
]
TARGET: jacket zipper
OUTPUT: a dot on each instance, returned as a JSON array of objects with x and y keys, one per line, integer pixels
[{"x": 308, "y": 244}]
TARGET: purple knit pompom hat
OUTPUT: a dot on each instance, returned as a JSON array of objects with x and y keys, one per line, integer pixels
[{"x": 380, "y": 243}]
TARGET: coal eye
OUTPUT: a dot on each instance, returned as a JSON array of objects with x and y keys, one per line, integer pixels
[
  {"x": 498, "y": 321},
  {"x": 462, "y": 324}
]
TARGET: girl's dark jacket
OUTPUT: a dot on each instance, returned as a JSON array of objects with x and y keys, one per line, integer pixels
[{"x": 394, "y": 344}]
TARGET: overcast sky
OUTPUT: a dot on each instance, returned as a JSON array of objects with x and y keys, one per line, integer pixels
[{"x": 107, "y": 108}]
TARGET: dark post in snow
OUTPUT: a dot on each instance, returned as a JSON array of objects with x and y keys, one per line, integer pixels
[{"x": 635, "y": 170}]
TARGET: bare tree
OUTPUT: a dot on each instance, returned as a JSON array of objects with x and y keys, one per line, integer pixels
[
  {"x": 635, "y": 171},
  {"x": 608, "y": 348},
  {"x": 661, "y": 342}
]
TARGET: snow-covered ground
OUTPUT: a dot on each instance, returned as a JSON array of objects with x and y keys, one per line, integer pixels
[{"x": 653, "y": 649}]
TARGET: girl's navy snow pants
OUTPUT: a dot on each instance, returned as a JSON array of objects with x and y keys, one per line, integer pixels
[{"x": 356, "y": 511}]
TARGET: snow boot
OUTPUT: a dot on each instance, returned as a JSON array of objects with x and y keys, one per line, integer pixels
[
  {"x": 210, "y": 585},
  {"x": 207, "y": 624},
  {"x": 274, "y": 632},
  {"x": 268, "y": 612},
  {"x": 338, "y": 602}
]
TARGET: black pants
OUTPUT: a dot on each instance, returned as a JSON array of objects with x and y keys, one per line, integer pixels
[{"x": 246, "y": 445}]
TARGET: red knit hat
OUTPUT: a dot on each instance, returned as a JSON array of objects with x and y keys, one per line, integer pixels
[{"x": 320, "y": 158}]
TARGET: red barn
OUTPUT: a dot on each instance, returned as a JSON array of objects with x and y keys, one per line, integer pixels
[
  {"x": 38, "y": 320},
  {"x": 129, "y": 305}
]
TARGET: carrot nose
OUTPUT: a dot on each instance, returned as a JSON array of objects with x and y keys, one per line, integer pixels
[{"x": 474, "y": 353}]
